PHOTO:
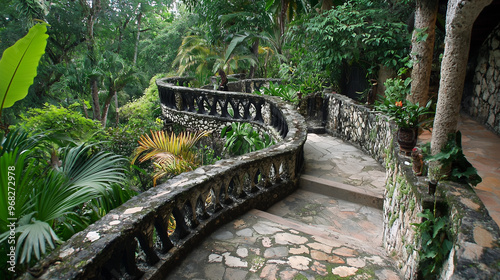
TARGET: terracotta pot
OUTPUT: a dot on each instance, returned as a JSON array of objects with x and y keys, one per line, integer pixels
[{"x": 407, "y": 139}]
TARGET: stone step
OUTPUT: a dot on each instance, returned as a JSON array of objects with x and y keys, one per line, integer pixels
[
  {"x": 332, "y": 215},
  {"x": 342, "y": 191},
  {"x": 315, "y": 126}
]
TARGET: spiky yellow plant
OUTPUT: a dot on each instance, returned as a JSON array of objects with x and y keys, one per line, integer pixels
[{"x": 172, "y": 154}]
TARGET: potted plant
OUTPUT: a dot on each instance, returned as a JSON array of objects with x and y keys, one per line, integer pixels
[{"x": 406, "y": 115}]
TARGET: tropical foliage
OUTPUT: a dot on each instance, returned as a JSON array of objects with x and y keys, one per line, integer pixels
[
  {"x": 241, "y": 138},
  {"x": 197, "y": 55},
  {"x": 435, "y": 242},
  {"x": 51, "y": 193},
  {"x": 357, "y": 32},
  {"x": 18, "y": 66},
  {"x": 284, "y": 91},
  {"x": 172, "y": 154},
  {"x": 452, "y": 156}
]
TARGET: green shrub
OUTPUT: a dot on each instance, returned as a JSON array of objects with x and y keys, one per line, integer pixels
[
  {"x": 57, "y": 119},
  {"x": 241, "y": 138},
  {"x": 285, "y": 92},
  {"x": 144, "y": 109},
  {"x": 451, "y": 155},
  {"x": 435, "y": 242}
]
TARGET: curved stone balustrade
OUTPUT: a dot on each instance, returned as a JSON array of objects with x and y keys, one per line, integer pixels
[
  {"x": 133, "y": 240},
  {"x": 213, "y": 110}
]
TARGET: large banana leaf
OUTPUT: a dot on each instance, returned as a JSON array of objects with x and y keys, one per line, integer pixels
[{"x": 18, "y": 65}]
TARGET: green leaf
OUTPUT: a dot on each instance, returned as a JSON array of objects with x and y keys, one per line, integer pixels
[
  {"x": 440, "y": 224},
  {"x": 33, "y": 239},
  {"x": 238, "y": 39},
  {"x": 18, "y": 65}
]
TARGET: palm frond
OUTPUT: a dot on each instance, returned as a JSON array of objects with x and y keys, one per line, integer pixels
[
  {"x": 94, "y": 171},
  {"x": 172, "y": 154},
  {"x": 172, "y": 168},
  {"x": 160, "y": 142},
  {"x": 34, "y": 237}
]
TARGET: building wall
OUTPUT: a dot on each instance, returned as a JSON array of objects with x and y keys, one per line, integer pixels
[{"x": 483, "y": 102}]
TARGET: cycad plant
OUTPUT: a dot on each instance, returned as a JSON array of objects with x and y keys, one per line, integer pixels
[
  {"x": 45, "y": 200},
  {"x": 172, "y": 154}
]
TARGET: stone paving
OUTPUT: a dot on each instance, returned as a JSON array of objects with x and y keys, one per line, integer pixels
[
  {"x": 329, "y": 214},
  {"x": 307, "y": 235},
  {"x": 335, "y": 160}
]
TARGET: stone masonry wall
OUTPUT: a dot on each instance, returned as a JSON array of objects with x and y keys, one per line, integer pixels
[
  {"x": 475, "y": 236},
  {"x": 484, "y": 103},
  {"x": 358, "y": 125}
]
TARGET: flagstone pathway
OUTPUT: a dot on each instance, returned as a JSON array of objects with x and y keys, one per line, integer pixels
[{"x": 328, "y": 229}]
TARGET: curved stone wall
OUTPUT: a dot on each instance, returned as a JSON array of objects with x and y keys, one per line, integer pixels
[
  {"x": 205, "y": 109},
  {"x": 133, "y": 240},
  {"x": 484, "y": 102}
]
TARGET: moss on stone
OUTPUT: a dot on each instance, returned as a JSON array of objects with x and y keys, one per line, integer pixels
[
  {"x": 393, "y": 219},
  {"x": 80, "y": 264},
  {"x": 411, "y": 205},
  {"x": 390, "y": 193}
]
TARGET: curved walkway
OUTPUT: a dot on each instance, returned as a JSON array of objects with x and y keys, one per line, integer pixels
[
  {"x": 482, "y": 149},
  {"x": 312, "y": 234}
]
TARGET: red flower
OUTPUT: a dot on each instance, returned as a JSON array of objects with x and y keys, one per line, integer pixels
[{"x": 399, "y": 103}]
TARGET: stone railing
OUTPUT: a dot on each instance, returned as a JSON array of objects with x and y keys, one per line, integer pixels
[
  {"x": 475, "y": 236},
  {"x": 248, "y": 85},
  {"x": 205, "y": 109},
  {"x": 133, "y": 241}
]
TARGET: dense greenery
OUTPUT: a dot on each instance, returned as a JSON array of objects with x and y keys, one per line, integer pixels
[
  {"x": 309, "y": 43},
  {"x": 242, "y": 138},
  {"x": 359, "y": 32},
  {"x": 54, "y": 188},
  {"x": 434, "y": 234},
  {"x": 130, "y": 40}
]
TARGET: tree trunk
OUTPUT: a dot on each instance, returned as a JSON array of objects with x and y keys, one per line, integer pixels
[
  {"x": 120, "y": 35},
  {"x": 282, "y": 19},
  {"x": 422, "y": 50},
  {"x": 223, "y": 82},
  {"x": 460, "y": 17},
  {"x": 107, "y": 103},
  {"x": 326, "y": 5},
  {"x": 117, "y": 110},
  {"x": 95, "y": 99},
  {"x": 255, "y": 51},
  {"x": 92, "y": 11},
  {"x": 139, "y": 17}
]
